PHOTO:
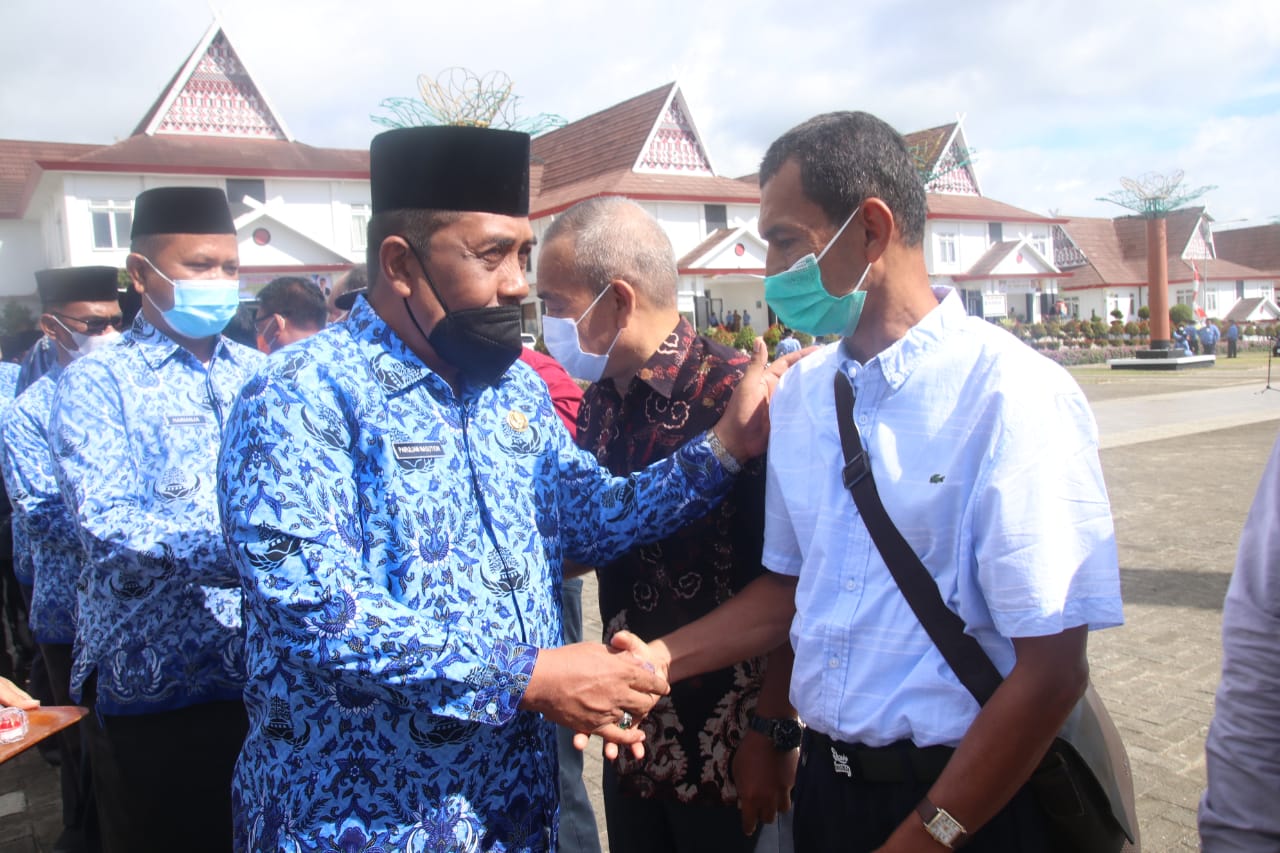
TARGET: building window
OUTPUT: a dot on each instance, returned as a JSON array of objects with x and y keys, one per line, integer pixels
[
  {"x": 995, "y": 232},
  {"x": 1239, "y": 288},
  {"x": 947, "y": 248},
  {"x": 238, "y": 189},
  {"x": 717, "y": 216},
  {"x": 359, "y": 226},
  {"x": 1184, "y": 297},
  {"x": 112, "y": 222},
  {"x": 1041, "y": 244}
]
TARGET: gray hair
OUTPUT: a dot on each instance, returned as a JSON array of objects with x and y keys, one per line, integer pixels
[{"x": 615, "y": 238}]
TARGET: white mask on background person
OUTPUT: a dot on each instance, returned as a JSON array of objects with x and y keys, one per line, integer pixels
[
  {"x": 86, "y": 344},
  {"x": 560, "y": 334}
]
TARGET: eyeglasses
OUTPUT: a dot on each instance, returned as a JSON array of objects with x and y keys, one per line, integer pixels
[{"x": 94, "y": 325}]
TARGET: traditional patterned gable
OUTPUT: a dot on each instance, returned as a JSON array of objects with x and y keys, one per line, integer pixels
[
  {"x": 673, "y": 144},
  {"x": 944, "y": 160},
  {"x": 213, "y": 95}
]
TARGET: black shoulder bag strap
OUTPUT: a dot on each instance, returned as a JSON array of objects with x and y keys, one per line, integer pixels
[{"x": 962, "y": 652}]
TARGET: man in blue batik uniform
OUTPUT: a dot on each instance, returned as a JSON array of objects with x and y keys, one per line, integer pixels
[
  {"x": 81, "y": 314},
  {"x": 135, "y": 432},
  {"x": 400, "y": 493}
]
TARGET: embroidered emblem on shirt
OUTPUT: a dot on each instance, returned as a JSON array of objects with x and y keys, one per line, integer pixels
[
  {"x": 936, "y": 478},
  {"x": 840, "y": 763},
  {"x": 418, "y": 449},
  {"x": 185, "y": 420},
  {"x": 517, "y": 421}
]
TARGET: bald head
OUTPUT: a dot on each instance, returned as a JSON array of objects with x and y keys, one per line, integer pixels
[{"x": 614, "y": 238}]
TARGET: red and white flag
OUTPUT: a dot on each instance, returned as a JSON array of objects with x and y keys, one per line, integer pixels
[{"x": 1195, "y": 293}]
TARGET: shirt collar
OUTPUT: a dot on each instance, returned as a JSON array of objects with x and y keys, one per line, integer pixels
[
  {"x": 897, "y": 361},
  {"x": 156, "y": 347},
  {"x": 395, "y": 366},
  {"x": 663, "y": 367}
]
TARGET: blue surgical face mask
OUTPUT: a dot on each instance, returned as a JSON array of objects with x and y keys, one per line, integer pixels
[
  {"x": 85, "y": 344},
  {"x": 202, "y": 307},
  {"x": 560, "y": 334},
  {"x": 799, "y": 299}
]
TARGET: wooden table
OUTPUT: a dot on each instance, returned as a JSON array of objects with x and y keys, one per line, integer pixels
[{"x": 41, "y": 723}]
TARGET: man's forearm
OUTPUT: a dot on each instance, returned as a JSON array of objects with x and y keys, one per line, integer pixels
[
  {"x": 1009, "y": 736},
  {"x": 752, "y": 623}
]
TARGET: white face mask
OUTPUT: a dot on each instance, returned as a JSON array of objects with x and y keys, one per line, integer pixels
[
  {"x": 86, "y": 344},
  {"x": 560, "y": 334}
]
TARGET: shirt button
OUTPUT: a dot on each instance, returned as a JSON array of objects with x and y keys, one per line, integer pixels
[
  {"x": 491, "y": 709},
  {"x": 849, "y": 585},
  {"x": 863, "y": 420},
  {"x": 833, "y": 663}
]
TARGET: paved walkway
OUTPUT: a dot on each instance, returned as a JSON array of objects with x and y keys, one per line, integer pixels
[{"x": 1182, "y": 454}]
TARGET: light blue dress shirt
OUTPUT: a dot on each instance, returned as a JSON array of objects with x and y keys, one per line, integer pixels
[
  {"x": 1238, "y": 812},
  {"x": 135, "y": 432},
  {"x": 985, "y": 455},
  {"x": 401, "y": 552},
  {"x": 39, "y": 515}
]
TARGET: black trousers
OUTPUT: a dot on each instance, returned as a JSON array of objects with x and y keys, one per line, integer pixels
[
  {"x": 79, "y": 811},
  {"x": 837, "y": 810},
  {"x": 639, "y": 825},
  {"x": 163, "y": 781}
]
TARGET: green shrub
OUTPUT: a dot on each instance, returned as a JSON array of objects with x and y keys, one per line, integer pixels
[
  {"x": 1181, "y": 313},
  {"x": 745, "y": 339},
  {"x": 1132, "y": 328},
  {"x": 1144, "y": 312},
  {"x": 719, "y": 334},
  {"x": 1117, "y": 313}
]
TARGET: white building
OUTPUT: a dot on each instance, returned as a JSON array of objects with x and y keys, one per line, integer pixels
[
  {"x": 298, "y": 209},
  {"x": 1107, "y": 259}
]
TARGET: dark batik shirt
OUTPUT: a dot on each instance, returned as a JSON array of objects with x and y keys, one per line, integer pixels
[{"x": 651, "y": 590}]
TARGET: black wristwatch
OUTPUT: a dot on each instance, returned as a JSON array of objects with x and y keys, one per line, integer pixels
[{"x": 783, "y": 733}]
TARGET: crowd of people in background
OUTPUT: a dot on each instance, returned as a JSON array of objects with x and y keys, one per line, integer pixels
[{"x": 317, "y": 587}]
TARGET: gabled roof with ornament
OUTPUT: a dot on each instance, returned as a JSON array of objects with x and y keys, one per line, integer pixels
[
  {"x": 726, "y": 250},
  {"x": 646, "y": 147},
  {"x": 1257, "y": 247},
  {"x": 944, "y": 159},
  {"x": 1011, "y": 259},
  {"x": 20, "y": 169},
  {"x": 1116, "y": 251},
  {"x": 195, "y": 155},
  {"x": 213, "y": 94}
]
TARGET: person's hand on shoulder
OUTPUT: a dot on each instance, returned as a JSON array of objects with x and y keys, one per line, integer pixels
[{"x": 743, "y": 429}]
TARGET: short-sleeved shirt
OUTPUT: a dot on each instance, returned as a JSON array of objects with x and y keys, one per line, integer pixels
[
  {"x": 47, "y": 528},
  {"x": 400, "y": 546},
  {"x": 693, "y": 733},
  {"x": 957, "y": 418},
  {"x": 135, "y": 430}
]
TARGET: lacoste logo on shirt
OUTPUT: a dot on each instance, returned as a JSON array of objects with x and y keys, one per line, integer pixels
[{"x": 936, "y": 478}]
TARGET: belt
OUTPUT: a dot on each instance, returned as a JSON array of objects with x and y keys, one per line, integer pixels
[{"x": 902, "y": 761}]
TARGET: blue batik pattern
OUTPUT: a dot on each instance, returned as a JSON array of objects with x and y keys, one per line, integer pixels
[
  {"x": 8, "y": 381},
  {"x": 39, "y": 515},
  {"x": 22, "y": 569},
  {"x": 401, "y": 550},
  {"x": 135, "y": 432}
]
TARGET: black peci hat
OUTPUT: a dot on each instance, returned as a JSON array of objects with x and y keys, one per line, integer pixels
[
  {"x": 78, "y": 284},
  {"x": 181, "y": 210},
  {"x": 347, "y": 299},
  {"x": 450, "y": 167}
]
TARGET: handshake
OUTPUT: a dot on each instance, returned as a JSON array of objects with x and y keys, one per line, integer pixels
[{"x": 604, "y": 690}]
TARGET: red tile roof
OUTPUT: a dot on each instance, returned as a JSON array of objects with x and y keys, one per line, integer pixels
[
  {"x": 1116, "y": 250},
  {"x": 209, "y": 155},
  {"x": 1257, "y": 247},
  {"x": 928, "y": 145},
  {"x": 950, "y": 206},
  {"x": 19, "y": 172},
  {"x": 607, "y": 141}
]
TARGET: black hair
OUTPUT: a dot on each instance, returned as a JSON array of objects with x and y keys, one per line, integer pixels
[
  {"x": 848, "y": 157},
  {"x": 298, "y": 299}
]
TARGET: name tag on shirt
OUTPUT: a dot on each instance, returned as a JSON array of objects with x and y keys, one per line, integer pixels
[
  {"x": 185, "y": 420},
  {"x": 418, "y": 449}
]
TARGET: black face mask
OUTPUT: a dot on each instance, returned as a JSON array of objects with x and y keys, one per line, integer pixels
[{"x": 481, "y": 342}]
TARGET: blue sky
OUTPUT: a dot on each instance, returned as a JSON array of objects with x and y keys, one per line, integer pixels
[{"x": 1061, "y": 98}]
